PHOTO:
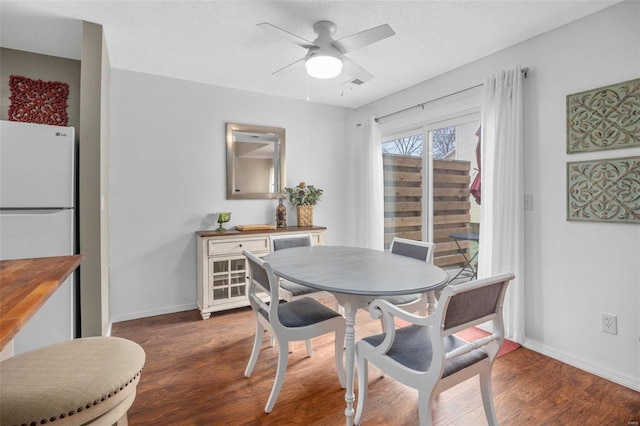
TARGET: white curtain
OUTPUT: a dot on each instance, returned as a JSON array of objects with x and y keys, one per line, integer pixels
[
  {"x": 501, "y": 247},
  {"x": 369, "y": 191}
]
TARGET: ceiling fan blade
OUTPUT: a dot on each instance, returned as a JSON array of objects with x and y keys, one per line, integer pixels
[
  {"x": 355, "y": 70},
  {"x": 363, "y": 38},
  {"x": 289, "y": 67},
  {"x": 286, "y": 35}
]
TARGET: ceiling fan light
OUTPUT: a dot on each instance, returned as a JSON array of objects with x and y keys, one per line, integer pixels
[{"x": 320, "y": 66}]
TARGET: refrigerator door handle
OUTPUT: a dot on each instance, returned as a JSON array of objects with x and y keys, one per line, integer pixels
[{"x": 34, "y": 212}]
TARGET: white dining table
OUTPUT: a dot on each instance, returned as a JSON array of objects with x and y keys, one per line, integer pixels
[{"x": 355, "y": 276}]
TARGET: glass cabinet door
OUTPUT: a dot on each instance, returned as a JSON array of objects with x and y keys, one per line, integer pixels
[{"x": 228, "y": 279}]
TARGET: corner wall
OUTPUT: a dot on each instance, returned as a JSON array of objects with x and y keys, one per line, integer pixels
[{"x": 93, "y": 174}]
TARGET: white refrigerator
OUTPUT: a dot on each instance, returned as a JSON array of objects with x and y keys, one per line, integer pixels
[{"x": 37, "y": 217}]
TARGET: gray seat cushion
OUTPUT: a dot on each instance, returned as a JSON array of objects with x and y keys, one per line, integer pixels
[
  {"x": 412, "y": 348},
  {"x": 302, "y": 312},
  {"x": 74, "y": 378},
  {"x": 401, "y": 300},
  {"x": 296, "y": 289}
]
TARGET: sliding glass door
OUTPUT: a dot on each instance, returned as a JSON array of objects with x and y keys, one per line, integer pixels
[
  {"x": 428, "y": 172},
  {"x": 403, "y": 164}
]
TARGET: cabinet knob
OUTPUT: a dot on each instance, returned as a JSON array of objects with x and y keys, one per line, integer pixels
[{"x": 240, "y": 245}]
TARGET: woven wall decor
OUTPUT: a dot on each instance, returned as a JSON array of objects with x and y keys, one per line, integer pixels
[
  {"x": 37, "y": 101},
  {"x": 605, "y": 190},
  {"x": 604, "y": 118}
]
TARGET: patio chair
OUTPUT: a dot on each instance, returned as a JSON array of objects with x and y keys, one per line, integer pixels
[{"x": 427, "y": 355}]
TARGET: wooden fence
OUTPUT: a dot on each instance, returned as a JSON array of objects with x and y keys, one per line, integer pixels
[{"x": 403, "y": 204}]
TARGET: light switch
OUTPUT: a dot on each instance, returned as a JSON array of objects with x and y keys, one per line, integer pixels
[{"x": 528, "y": 201}]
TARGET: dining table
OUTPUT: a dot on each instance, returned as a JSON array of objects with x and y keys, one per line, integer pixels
[{"x": 355, "y": 276}]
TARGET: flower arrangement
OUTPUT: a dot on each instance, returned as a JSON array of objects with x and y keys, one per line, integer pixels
[{"x": 304, "y": 195}]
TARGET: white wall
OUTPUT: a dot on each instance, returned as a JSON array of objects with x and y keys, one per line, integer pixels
[
  {"x": 574, "y": 270},
  {"x": 168, "y": 171}
]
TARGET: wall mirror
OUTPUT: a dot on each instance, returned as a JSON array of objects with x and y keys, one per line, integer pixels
[{"x": 255, "y": 161}]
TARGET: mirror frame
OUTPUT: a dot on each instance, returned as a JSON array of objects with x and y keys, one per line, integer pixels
[{"x": 231, "y": 172}]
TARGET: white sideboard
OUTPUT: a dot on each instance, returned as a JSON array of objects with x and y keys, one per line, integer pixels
[{"x": 222, "y": 269}]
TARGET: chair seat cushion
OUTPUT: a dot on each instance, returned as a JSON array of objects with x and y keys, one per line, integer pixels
[
  {"x": 57, "y": 381},
  {"x": 303, "y": 312},
  {"x": 296, "y": 289},
  {"x": 412, "y": 348},
  {"x": 401, "y": 300}
]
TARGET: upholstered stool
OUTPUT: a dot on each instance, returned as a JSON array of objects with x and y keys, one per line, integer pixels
[{"x": 83, "y": 381}]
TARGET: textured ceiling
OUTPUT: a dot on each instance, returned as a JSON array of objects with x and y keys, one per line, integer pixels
[{"x": 217, "y": 42}]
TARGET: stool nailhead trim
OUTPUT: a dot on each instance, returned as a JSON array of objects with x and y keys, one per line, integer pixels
[{"x": 79, "y": 409}]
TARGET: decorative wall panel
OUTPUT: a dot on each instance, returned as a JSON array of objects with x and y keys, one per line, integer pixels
[
  {"x": 37, "y": 101},
  {"x": 604, "y": 118},
  {"x": 605, "y": 190}
]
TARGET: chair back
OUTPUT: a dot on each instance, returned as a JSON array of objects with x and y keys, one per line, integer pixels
[
  {"x": 463, "y": 306},
  {"x": 281, "y": 242},
  {"x": 420, "y": 250},
  {"x": 469, "y": 304},
  {"x": 262, "y": 280}
]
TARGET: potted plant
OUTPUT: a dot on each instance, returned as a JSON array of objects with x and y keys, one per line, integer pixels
[{"x": 304, "y": 197}]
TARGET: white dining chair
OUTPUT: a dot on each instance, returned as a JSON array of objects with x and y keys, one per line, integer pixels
[
  {"x": 420, "y": 250},
  {"x": 300, "y": 319},
  {"x": 289, "y": 290},
  {"x": 427, "y": 355}
]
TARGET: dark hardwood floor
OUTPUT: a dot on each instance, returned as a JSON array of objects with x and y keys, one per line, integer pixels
[{"x": 194, "y": 375}]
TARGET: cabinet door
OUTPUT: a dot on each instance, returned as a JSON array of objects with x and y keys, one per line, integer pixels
[{"x": 227, "y": 280}]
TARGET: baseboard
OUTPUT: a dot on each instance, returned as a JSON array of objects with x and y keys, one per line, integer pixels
[
  {"x": 152, "y": 312},
  {"x": 583, "y": 365}
]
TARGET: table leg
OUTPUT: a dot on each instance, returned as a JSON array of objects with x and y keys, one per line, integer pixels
[
  {"x": 431, "y": 302},
  {"x": 467, "y": 264},
  {"x": 349, "y": 397},
  {"x": 475, "y": 271},
  {"x": 350, "y": 304}
]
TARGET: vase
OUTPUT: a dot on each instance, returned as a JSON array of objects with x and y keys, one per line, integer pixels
[
  {"x": 305, "y": 215},
  {"x": 223, "y": 218},
  {"x": 281, "y": 215}
]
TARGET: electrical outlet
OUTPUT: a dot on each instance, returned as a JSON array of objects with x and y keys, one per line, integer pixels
[{"x": 609, "y": 323}]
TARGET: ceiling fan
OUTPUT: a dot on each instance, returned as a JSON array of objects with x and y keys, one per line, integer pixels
[{"x": 325, "y": 56}]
